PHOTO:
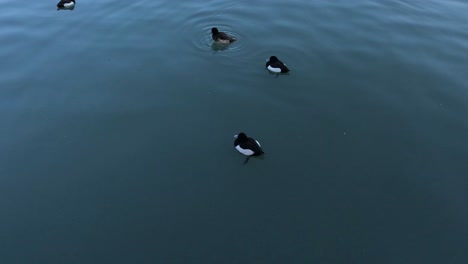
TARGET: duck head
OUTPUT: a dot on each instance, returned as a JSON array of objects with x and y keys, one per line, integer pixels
[
  {"x": 273, "y": 59},
  {"x": 241, "y": 136}
]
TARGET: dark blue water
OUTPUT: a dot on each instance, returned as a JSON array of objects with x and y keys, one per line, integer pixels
[{"x": 117, "y": 123}]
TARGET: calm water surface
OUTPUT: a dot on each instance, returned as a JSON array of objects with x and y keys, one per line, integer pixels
[{"x": 117, "y": 123}]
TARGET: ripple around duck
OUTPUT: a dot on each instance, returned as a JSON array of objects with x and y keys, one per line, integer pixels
[
  {"x": 206, "y": 43},
  {"x": 197, "y": 26}
]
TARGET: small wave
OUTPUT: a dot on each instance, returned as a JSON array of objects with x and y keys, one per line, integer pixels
[
  {"x": 204, "y": 42},
  {"x": 197, "y": 26}
]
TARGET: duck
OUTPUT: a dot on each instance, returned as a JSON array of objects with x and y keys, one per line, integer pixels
[
  {"x": 247, "y": 146},
  {"x": 275, "y": 65},
  {"x": 221, "y": 37},
  {"x": 66, "y": 3}
]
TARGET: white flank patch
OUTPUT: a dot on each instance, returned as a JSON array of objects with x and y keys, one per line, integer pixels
[
  {"x": 274, "y": 69},
  {"x": 258, "y": 143},
  {"x": 69, "y": 4},
  {"x": 246, "y": 152}
]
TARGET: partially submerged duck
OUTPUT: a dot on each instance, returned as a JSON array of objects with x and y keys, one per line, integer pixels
[
  {"x": 221, "y": 37},
  {"x": 247, "y": 146},
  {"x": 66, "y": 4},
  {"x": 275, "y": 65}
]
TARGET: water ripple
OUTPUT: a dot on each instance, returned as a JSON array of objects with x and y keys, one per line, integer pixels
[{"x": 195, "y": 27}]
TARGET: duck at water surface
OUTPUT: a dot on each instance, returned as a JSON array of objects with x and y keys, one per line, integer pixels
[
  {"x": 275, "y": 65},
  {"x": 247, "y": 146},
  {"x": 66, "y": 4},
  {"x": 221, "y": 37}
]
